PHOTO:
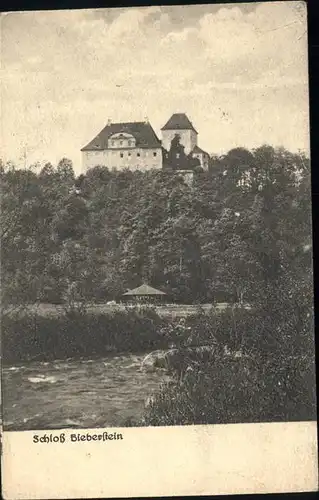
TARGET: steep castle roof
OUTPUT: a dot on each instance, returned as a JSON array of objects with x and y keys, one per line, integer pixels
[
  {"x": 142, "y": 132},
  {"x": 144, "y": 290},
  {"x": 198, "y": 150},
  {"x": 179, "y": 121}
]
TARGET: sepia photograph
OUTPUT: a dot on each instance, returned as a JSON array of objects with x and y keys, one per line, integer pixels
[{"x": 156, "y": 232}]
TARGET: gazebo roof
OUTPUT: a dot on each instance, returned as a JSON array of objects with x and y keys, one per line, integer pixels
[{"x": 144, "y": 290}]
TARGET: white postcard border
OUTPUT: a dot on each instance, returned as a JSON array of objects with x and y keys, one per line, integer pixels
[{"x": 162, "y": 461}]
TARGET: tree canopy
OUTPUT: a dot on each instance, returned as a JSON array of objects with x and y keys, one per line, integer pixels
[{"x": 241, "y": 230}]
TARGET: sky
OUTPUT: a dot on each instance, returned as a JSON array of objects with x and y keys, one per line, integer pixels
[{"x": 239, "y": 72}]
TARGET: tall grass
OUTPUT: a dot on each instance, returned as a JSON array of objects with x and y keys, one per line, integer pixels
[{"x": 76, "y": 334}]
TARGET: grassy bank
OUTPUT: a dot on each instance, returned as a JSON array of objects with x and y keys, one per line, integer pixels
[
  {"x": 28, "y": 334},
  {"x": 75, "y": 334},
  {"x": 167, "y": 310}
]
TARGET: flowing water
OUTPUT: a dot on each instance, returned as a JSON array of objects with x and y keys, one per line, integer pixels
[{"x": 82, "y": 394}]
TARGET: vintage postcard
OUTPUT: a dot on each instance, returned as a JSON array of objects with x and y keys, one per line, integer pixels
[{"x": 157, "y": 319}]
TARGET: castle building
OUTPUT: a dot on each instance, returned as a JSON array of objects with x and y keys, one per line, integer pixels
[
  {"x": 135, "y": 145},
  {"x": 131, "y": 145}
]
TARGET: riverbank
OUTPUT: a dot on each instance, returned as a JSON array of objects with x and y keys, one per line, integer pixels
[
  {"x": 75, "y": 335},
  {"x": 218, "y": 386},
  {"x": 236, "y": 366},
  {"x": 29, "y": 335}
]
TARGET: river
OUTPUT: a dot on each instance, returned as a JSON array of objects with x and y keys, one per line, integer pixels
[{"x": 77, "y": 393}]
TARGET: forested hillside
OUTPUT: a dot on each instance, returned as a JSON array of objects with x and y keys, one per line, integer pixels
[{"x": 241, "y": 232}]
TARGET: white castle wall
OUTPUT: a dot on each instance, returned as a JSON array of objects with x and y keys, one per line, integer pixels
[{"x": 132, "y": 158}]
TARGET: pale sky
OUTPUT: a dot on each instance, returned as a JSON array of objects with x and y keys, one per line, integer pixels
[{"x": 239, "y": 71}]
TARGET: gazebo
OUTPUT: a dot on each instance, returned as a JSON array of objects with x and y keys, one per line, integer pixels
[{"x": 145, "y": 294}]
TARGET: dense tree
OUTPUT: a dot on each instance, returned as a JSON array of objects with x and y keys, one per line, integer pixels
[{"x": 240, "y": 232}]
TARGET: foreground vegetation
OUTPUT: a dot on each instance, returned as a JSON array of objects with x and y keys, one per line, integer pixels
[
  {"x": 85, "y": 334},
  {"x": 76, "y": 334},
  {"x": 228, "y": 367},
  {"x": 266, "y": 372},
  {"x": 220, "y": 389}
]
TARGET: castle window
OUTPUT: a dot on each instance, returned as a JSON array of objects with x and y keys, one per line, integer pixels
[
  {"x": 129, "y": 154},
  {"x": 121, "y": 143},
  {"x": 130, "y": 143},
  {"x": 121, "y": 155},
  {"x": 138, "y": 154},
  {"x": 154, "y": 154},
  {"x": 177, "y": 155}
]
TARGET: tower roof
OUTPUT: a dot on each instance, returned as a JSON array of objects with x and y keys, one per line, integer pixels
[
  {"x": 142, "y": 131},
  {"x": 179, "y": 121}
]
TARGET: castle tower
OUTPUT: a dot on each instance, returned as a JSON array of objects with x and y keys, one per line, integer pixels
[{"x": 179, "y": 124}]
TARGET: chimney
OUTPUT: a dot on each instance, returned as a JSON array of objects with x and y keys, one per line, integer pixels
[
  {"x": 109, "y": 122},
  {"x": 146, "y": 119}
]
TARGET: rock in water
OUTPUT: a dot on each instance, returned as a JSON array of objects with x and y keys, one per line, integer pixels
[
  {"x": 159, "y": 360},
  {"x": 153, "y": 360}
]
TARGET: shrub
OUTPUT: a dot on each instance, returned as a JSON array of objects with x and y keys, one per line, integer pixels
[
  {"x": 259, "y": 367},
  {"x": 226, "y": 389},
  {"x": 78, "y": 334}
]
